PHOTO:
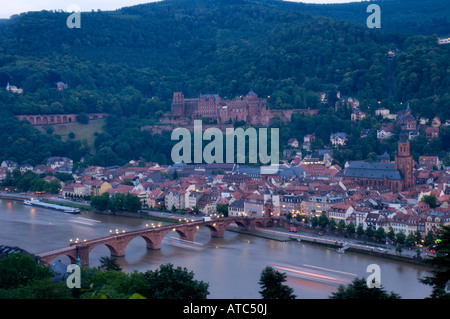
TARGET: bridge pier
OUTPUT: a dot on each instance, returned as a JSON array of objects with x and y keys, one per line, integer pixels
[
  {"x": 83, "y": 255},
  {"x": 218, "y": 231},
  {"x": 153, "y": 240},
  {"x": 117, "y": 247},
  {"x": 187, "y": 234}
]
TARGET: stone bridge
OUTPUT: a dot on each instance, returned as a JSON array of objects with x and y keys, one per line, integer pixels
[
  {"x": 153, "y": 236},
  {"x": 44, "y": 119}
]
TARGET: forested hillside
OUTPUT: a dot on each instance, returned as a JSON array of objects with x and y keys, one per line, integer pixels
[
  {"x": 425, "y": 17},
  {"x": 130, "y": 61}
]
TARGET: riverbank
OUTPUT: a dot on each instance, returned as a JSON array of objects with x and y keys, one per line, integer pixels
[
  {"x": 14, "y": 196},
  {"x": 142, "y": 215},
  {"x": 280, "y": 234},
  {"x": 73, "y": 205}
]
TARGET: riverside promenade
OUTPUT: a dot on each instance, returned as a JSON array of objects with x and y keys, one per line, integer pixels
[{"x": 351, "y": 245}]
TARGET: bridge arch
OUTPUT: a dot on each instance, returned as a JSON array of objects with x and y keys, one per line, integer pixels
[
  {"x": 241, "y": 224},
  {"x": 114, "y": 250},
  {"x": 214, "y": 229},
  {"x": 72, "y": 259},
  {"x": 117, "y": 243},
  {"x": 152, "y": 241},
  {"x": 186, "y": 233}
]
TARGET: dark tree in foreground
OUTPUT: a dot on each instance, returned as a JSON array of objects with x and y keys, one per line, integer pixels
[
  {"x": 440, "y": 275},
  {"x": 21, "y": 277},
  {"x": 20, "y": 270},
  {"x": 358, "y": 289},
  {"x": 107, "y": 263},
  {"x": 271, "y": 282},
  {"x": 168, "y": 282}
]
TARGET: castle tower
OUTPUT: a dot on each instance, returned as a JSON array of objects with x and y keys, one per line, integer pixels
[
  {"x": 404, "y": 161},
  {"x": 255, "y": 108},
  {"x": 252, "y": 103},
  {"x": 178, "y": 104}
]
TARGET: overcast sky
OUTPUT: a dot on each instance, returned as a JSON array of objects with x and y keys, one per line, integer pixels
[{"x": 10, "y": 7}]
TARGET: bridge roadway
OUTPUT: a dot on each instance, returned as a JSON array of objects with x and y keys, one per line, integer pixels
[{"x": 117, "y": 242}]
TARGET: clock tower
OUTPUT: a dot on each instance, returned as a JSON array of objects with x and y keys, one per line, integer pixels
[{"x": 404, "y": 161}]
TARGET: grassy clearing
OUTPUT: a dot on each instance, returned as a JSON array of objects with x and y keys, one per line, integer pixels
[{"x": 81, "y": 131}]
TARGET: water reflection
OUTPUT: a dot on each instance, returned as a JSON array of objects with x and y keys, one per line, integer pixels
[{"x": 232, "y": 265}]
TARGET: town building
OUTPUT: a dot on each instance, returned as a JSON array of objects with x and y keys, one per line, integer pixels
[
  {"x": 396, "y": 176},
  {"x": 291, "y": 203},
  {"x": 14, "y": 89},
  {"x": 339, "y": 139},
  {"x": 236, "y": 208}
]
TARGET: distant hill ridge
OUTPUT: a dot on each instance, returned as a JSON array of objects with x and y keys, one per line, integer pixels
[{"x": 289, "y": 51}]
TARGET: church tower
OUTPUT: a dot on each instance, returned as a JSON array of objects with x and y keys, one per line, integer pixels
[{"x": 404, "y": 161}]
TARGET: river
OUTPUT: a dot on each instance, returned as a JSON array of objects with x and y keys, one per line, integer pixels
[{"x": 231, "y": 265}]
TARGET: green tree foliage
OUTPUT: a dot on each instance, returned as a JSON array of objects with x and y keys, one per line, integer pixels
[
  {"x": 395, "y": 15},
  {"x": 107, "y": 263},
  {"x": 222, "y": 209},
  {"x": 20, "y": 270},
  {"x": 350, "y": 229},
  {"x": 272, "y": 287},
  {"x": 22, "y": 143},
  {"x": 101, "y": 202},
  {"x": 431, "y": 200},
  {"x": 360, "y": 230},
  {"x": 41, "y": 289},
  {"x": 83, "y": 118},
  {"x": 358, "y": 289},
  {"x": 129, "y": 62},
  {"x": 109, "y": 284},
  {"x": 341, "y": 226},
  {"x": 400, "y": 238},
  {"x": 169, "y": 282},
  {"x": 439, "y": 279},
  {"x": 30, "y": 181},
  {"x": 323, "y": 221},
  {"x": 117, "y": 202},
  {"x": 380, "y": 234},
  {"x": 23, "y": 278}
]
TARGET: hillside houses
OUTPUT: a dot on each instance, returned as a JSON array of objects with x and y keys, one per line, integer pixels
[
  {"x": 339, "y": 139},
  {"x": 60, "y": 164}
]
